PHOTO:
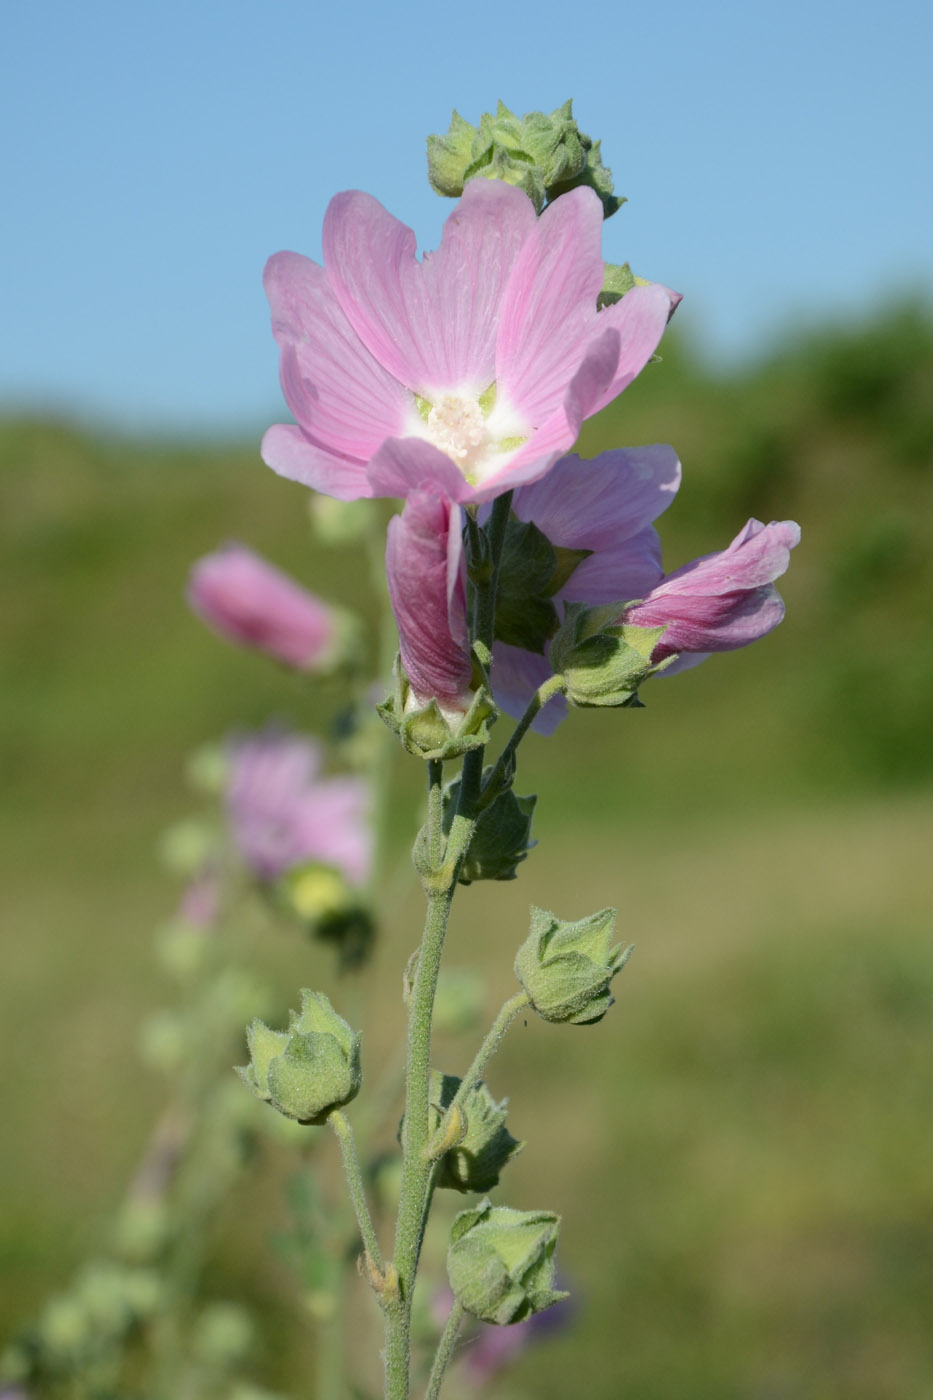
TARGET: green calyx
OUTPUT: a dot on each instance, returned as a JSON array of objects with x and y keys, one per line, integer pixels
[
  {"x": 501, "y": 836},
  {"x": 426, "y": 731},
  {"x": 531, "y": 572},
  {"x": 310, "y": 1069},
  {"x": 603, "y": 661},
  {"x": 481, "y": 1145},
  {"x": 618, "y": 279},
  {"x": 500, "y": 1262},
  {"x": 543, "y": 155},
  {"x": 566, "y": 968}
]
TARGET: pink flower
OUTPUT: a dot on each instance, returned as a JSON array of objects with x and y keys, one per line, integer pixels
[
  {"x": 721, "y": 601},
  {"x": 245, "y": 599},
  {"x": 282, "y": 813},
  {"x": 465, "y": 373},
  {"x": 426, "y": 574},
  {"x": 605, "y": 505}
]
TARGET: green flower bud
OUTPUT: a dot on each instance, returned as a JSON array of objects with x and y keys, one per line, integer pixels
[
  {"x": 617, "y": 280},
  {"x": 310, "y": 1069},
  {"x": 481, "y": 1144},
  {"x": 428, "y": 733},
  {"x": 501, "y": 837},
  {"x": 603, "y": 661},
  {"x": 208, "y": 769},
  {"x": 543, "y": 155},
  {"x": 460, "y": 1000},
  {"x": 566, "y": 968},
  {"x": 500, "y": 1262}
]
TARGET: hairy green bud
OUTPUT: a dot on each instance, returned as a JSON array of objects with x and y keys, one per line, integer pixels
[
  {"x": 603, "y": 661},
  {"x": 500, "y": 1262},
  {"x": 543, "y": 155},
  {"x": 480, "y": 1144},
  {"x": 426, "y": 731},
  {"x": 310, "y": 1069},
  {"x": 566, "y": 968}
]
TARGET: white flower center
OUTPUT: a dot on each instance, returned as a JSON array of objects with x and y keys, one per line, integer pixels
[{"x": 456, "y": 425}]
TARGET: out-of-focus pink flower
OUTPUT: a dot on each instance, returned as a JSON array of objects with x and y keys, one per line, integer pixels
[
  {"x": 605, "y": 505},
  {"x": 282, "y": 813},
  {"x": 200, "y": 903},
  {"x": 426, "y": 574},
  {"x": 465, "y": 373},
  {"x": 720, "y": 601},
  {"x": 245, "y": 599},
  {"x": 484, "y": 1354}
]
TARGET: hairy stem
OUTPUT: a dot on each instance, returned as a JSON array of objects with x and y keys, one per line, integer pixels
[
  {"x": 484, "y": 1054},
  {"x": 341, "y": 1126},
  {"x": 445, "y": 1350}
]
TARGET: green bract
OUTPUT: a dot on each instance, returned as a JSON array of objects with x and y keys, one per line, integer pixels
[
  {"x": 426, "y": 732},
  {"x": 602, "y": 660},
  {"x": 482, "y": 1145},
  {"x": 566, "y": 968},
  {"x": 501, "y": 837},
  {"x": 543, "y": 155},
  {"x": 500, "y": 1262},
  {"x": 310, "y": 1069}
]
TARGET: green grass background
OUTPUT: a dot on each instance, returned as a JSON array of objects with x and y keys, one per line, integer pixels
[{"x": 741, "y": 1150}]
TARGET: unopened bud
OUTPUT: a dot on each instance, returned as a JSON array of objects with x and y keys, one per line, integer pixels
[
  {"x": 566, "y": 968},
  {"x": 500, "y": 1262},
  {"x": 310, "y": 1069}
]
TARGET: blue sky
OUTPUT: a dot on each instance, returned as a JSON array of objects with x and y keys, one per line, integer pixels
[{"x": 776, "y": 158}]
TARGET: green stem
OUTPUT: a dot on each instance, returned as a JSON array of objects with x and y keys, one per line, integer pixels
[
  {"x": 554, "y": 685},
  {"x": 484, "y": 1054},
  {"x": 445, "y": 1350},
  {"x": 341, "y": 1126}
]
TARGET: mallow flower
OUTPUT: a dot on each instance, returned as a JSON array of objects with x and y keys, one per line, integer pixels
[
  {"x": 426, "y": 574},
  {"x": 466, "y": 373},
  {"x": 716, "y": 603},
  {"x": 247, "y": 600},
  {"x": 283, "y": 813}
]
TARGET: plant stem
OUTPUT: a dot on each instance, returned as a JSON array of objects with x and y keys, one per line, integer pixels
[
  {"x": 341, "y": 1126},
  {"x": 554, "y": 685},
  {"x": 484, "y": 1054},
  {"x": 445, "y": 1350}
]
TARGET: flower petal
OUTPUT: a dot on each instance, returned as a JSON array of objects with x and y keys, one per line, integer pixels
[
  {"x": 341, "y": 395},
  {"x": 549, "y": 308},
  {"x": 640, "y": 319},
  {"x": 404, "y": 465},
  {"x": 624, "y": 571},
  {"x": 289, "y": 453},
  {"x": 598, "y": 503},
  {"x": 431, "y": 324}
]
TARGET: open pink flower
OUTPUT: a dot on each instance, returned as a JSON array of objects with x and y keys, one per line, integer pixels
[
  {"x": 283, "y": 813},
  {"x": 605, "y": 505},
  {"x": 721, "y": 601},
  {"x": 426, "y": 574},
  {"x": 465, "y": 373},
  {"x": 245, "y": 599}
]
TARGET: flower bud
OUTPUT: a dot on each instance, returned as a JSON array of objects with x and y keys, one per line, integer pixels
[
  {"x": 500, "y": 1262},
  {"x": 501, "y": 837},
  {"x": 310, "y": 1069},
  {"x": 566, "y": 968},
  {"x": 248, "y": 601},
  {"x": 603, "y": 661},
  {"x": 426, "y": 731},
  {"x": 543, "y": 155},
  {"x": 484, "y": 1145}
]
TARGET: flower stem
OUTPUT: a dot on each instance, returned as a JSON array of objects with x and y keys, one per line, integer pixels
[
  {"x": 341, "y": 1126},
  {"x": 484, "y": 1054},
  {"x": 445, "y": 1350},
  {"x": 554, "y": 685}
]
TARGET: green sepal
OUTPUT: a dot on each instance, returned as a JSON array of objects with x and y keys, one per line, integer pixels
[
  {"x": 426, "y": 731},
  {"x": 310, "y": 1069},
  {"x": 543, "y": 155},
  {"x": 501, "y": 837},
  {"x": 484, "y": 1144},
  {"x": 566, "y": 968},
  {"x": 500, "y": 1262},
  {"x": 532, "y": 570},
  {"x": 603, "y": 660}
]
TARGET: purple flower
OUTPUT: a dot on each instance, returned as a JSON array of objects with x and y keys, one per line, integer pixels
[
  {"x": 720, "y": 601},
  {"x": 245, "y": 599},
  {"x": 282, "y": 813},
  {"x": 605, "y": 505},
  {"x": 427, "y": 585},
  {"x": 465, "y": 373}
]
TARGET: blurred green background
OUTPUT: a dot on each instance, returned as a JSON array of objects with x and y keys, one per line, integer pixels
[{"x": 741, "y": 1150}]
